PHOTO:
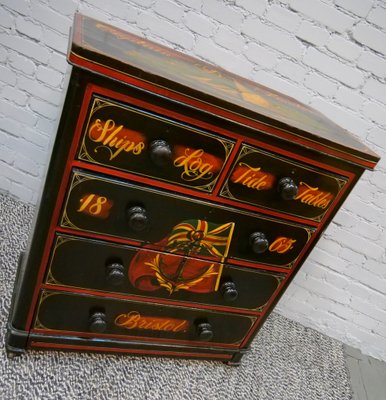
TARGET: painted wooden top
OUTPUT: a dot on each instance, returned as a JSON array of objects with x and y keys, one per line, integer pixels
[{"x": 116, "y": 53}]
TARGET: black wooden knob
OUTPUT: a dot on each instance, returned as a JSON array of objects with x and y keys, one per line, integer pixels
[
  {"x": 204, "y": 331},
  {"x": 229, "y": 291},
  {"x": 258, "y": 242},
  {"x": 287, "y": 188},
  {"x": 160, "y": 152},
  {"x": 137, "y": 218},
  {"x": 97, "y": 322},
  {"x": 115, "y": 273}
]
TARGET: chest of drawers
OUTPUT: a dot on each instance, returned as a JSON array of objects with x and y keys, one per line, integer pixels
[{"x": 179, "y": 203}]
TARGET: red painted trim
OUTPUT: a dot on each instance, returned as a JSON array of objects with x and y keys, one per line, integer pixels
[
  {"x": 190, "y": 192},
  {"x": 154, "y": 300},
  {"x": 57, "y": 209},
  {"x": 97, "y": 236},
  {"x": 82, "y": 62},
  {"x": 154, "y": 340},
  {"x": 133, "y": 351}
]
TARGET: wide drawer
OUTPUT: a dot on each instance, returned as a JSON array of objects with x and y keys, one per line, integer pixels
[
  {"x": 69, "y": 312},
  {"x": 126, "y": 138},
  {"x": 103, "y": 266},
  {"x": 273, "y": 182},
  {"x": 176, "y": 224}
]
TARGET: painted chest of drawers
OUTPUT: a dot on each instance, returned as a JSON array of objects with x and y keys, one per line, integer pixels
[{"x": 179, "y": 203}]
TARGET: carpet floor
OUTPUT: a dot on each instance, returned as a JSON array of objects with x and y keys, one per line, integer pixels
[{"x": 287, "y": 361}]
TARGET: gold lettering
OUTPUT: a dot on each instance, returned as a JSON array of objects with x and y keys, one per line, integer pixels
[
  {"x": 134, "y": 320},
  {"x": 111, "y": 138},
  {"x": 252, "y": 177},
  {"x": 281, "y": 245},
  {"x": 193, "y": 165},
  {"x": 312, "y": 196}
]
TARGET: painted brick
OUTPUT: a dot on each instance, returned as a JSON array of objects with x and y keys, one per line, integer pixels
[
  {"x": 20, "y": 6},
  {"x": 223, "y": 13},
  {"x": 6, "y": 154},
  {"x": 291, "y": 70},
  {"x": 148, "y": 3},
  {"x": 343, "y": 48},
  {"x": 22, "y": 64},
  {"x": 349, "y": 98},
  {"x": 51, "y": 18},
  {"x": 272, "y": 37},
  {"x": 34, "y": 136},
  {"x": 229, "y": 39},
  {"x": 166, "y": 30},
  {"x": 257, "y": 7},
  {"x": 46, "y": 126},
  {"x": 14, "y": 95},
  {"x": 169, "y": 9},
  {"x": 67, "y": 7},
  {"x": 378, "y": 17},
  {"x": 363, "y": 307},
  {"x": 196, "y": 4},
  {"x": 205, "y": 49},
  {"x": 355, "y": 242},
  {"x": 345, "y": 219},
  {"x": 23, "y": 193},
  {"x": 329, "y": 260},
  {"x": 333, "y": 68},
  {"x": 59, "y": 62},
  {"x": 261, "y": 55},
  {"x": 379, "y": 179},
  {"x": 40, "y": 90},
  {"x": 49, "y": 76},
  {"x": 375, "y": 89},
  {"x": 373, "y": 63},
  {"x": 357, "y": 7},
  {"x": 312, "y": 34},
  {"x": 43, "y": 108},
  {"x": 17, "y": 113},
  {"x": 284, "y": 18},
  {"x": 375, "y": 112},
  {"x": 352, "y": 256},
  {"x": 378, "y": 137},
  {"x": 3, "y": 54},
  {"x": 323, "y": 13},
  {"x": 28, "y": 28},
  {"x": 55, "y": 41},
  {"x": 199, "y": 24},
  {"x": 377, "y": 267},
  {"x": 25, "y": 46},
  {"x": 320, "y": 84},
  {"x": 5, "y": 184},
  {"x": 6, "y": 18},
  {"x": 7, "y": 76},
  {"x": 27, "y": 165},
  {"x": 370, "y": 36},
  {"x": 367, "y": 229},
  {"x": 329, "y": 246}
]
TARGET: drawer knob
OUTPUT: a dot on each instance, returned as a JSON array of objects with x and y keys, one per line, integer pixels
[
  {"x": 204, "y": 331},
  {"x": 258, "y": 242},
  {"x": 160, "y": 152},
  {"x": 115, "y": 273},
  {"x": 97, "y": 322},
  {"x": 137, "y": 218},
  {"x": 287, "y": 188},
  {"x": 229, "y": 291}
]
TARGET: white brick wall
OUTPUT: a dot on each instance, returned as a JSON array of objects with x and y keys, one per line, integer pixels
[{"x": 330, "y": 54}]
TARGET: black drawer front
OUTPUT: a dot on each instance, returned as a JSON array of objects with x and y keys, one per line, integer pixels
[
  {"x": 92, "y": 314},
  {"x": 267, "y": 180},
  {"x": 175, "y": 224},
  {"x": 99, "y": 265},
  {"x": 128, "y": 139}
]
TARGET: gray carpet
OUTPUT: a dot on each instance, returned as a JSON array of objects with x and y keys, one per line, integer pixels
[{"x": 287, "y": 361}]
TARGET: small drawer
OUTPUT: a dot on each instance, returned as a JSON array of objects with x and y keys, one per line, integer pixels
[
  {"x": 119, "y": 136},
  {"x": 172, "y": 223},
  {"x": 79, "y": 313},
  {"x": 103, "y": 266},
  {"x": 269, "y": 181}
]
